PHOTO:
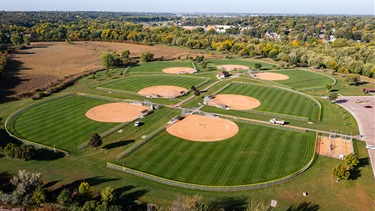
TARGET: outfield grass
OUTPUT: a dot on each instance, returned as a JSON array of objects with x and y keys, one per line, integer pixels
[
  {"x": 255, "y": 154},
  {"x": 300, "y": 79},
  {"x": 157, "y": 66},
  {"x": 136, "y": 83},
  {"x": 61, "y": 122},
  {"x": 275, "y": 100},
  {"x": 249, "y": 63}
]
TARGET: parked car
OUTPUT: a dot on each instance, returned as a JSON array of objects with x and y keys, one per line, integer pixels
[
  {"x": 368, "y": 106},
  {"x": 370, "y": 146}
]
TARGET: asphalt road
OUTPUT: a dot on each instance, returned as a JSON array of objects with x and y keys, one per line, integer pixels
[{"x": 365, "y": 118}]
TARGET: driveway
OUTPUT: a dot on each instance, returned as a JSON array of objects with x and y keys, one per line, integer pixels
[{"x": 365, "y": 118}]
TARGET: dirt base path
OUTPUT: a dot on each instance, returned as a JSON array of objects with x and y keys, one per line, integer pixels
[
  {"x": 179, "y": 70},
  {"x": 203, "y": 128},
  {"x": 162, "y": 91},
  {"x": 272, "y": 76},
  {"x": 230, "y": 67},
  {"x": 235, "y": 102},
  {"x": 116, "y": 112}
]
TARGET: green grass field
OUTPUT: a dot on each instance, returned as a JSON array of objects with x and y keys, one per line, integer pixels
[
  {"x": 275, "y": 100},
  {"x": 254, "y": 154},
  {"x": 136, "y": 83},
  {"x": 61, "y": 122},
  {"x": 156, "y": 67},
  {"x": 249, "y": 63},
  {"x": 300, "y": 79}
]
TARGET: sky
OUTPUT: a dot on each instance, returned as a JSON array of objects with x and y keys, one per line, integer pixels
[{"x": 349, "y": 7}]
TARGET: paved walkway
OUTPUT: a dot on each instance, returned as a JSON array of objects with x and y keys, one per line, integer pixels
[{"x": 365, "y": 118}]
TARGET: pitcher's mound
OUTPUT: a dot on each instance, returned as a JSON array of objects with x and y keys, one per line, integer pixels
[
  {"x": 179, "y": 70},
  {"x": 230, "y": 67},
  {"x": 116, "y": 112},
  {"x": 272, "y": 76},
  {"x": 235, "y": 102},
  {"x": 203, "y": 128},
  {"x": 163, "y": 91}
]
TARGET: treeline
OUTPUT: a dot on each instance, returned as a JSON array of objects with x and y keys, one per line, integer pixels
[
  {"x": 26, "y": 190},
  {"x": 293, "y": 41}
]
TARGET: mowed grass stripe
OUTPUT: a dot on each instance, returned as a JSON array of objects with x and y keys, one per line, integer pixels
[
  {"x": 136, "y": 83},
  {"x": 255, "y": 154},
  {"x": 60, "y": 122},
  {"x": 299, "y": 79},
  {"x": 276, "y": 100},
  {"x": 157, "y": 66}
]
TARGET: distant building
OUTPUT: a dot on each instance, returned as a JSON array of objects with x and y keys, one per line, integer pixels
[{"x": 223, "y": 74}]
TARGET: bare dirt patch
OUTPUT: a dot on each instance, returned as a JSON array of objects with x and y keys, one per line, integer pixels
[
  {"x": 116, "y": 112},
  {"x": 230, "y": 67},
  {"x": 162, "y": 91},
  {"x": 272, "y": 76},
  {"x": 179, "y": 70},
  {"x": 44, "y": 62},
  {"x": 203, "y": 128},
  {"x": 334, "y": 147},
  {"x": 235, "y": 102}
]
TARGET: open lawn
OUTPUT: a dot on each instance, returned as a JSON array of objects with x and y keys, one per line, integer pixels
[
  {"x": 275, "y": 100},
  {"x": 157, "y": 67},
  {"x": 136, "y": 83},
  {"x": 301, "y": 79},
  {"x": 61, "y": 122},
  {"x": 255, "y": 154},
  {"x": 246, "y": 62}
]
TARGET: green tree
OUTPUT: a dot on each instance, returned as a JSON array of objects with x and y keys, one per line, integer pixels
[
  {"x": 328, "y": 87},
  {"x": 332, "y": 97},
  {"x": 95, "y": 140},
  {"x": 352, "y": 79},
  {"x": 110, "y": 60},
  {"x": 108, "y": 195},
  {"x": 146, "y": 56},
  {"x": 258, "y": 66},
  {"x": 351, "y": 160},
  {"x": 90, "y": 206},
  {"x": 125, "y": 53},
  {"x": 340, "y": 172},
  {"x": 85, "y": 192},
  {"x": 38, "y": 196},
  {"x": 26, "y": 40},
  {"x": 16, "y": 40},
  {"x": 64, "y": 198}
]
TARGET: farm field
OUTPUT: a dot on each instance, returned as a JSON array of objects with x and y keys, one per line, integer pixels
[
  {"x": 250, "y": 63},
  {"x": 276, "y": 100},
  {"x": 255, "y": 154},
  {"x": 136, "y": 83},
  {"x": 44, "y": 62},
  {"x": 157, "y": 67},
  {"x": 300, "y": 79},
  {"x": 61, "y": 122}
]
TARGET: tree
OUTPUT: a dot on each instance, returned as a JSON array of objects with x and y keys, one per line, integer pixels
[
  {"x": 193, "y": 88},
  {"x": 85, "y": 192},
  {"x": 351, "y": 160},
  {"x": 332, "y": 97},
  {"x": 110, "y": 60},
  {"x": 38, "y": 196},
  {"x": 26, "y": 40},
  {"x": 95, "y": 140},
  {"x": 146, "y": 56},
  {"x": 352, "y": 79},
  {"x": 125, "y": 53},
  {"x": 16, "y": 40},
  {"x": 340, "y": 172},
  {"x": 108, "y": 195},
  {"x": 182, "y": 202},
  {"x": 256, "y": 206},
  {"x": 328, "y": 87},
  {"x": 258, "y": 66},
  {"x": 64, "y": 198}
]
